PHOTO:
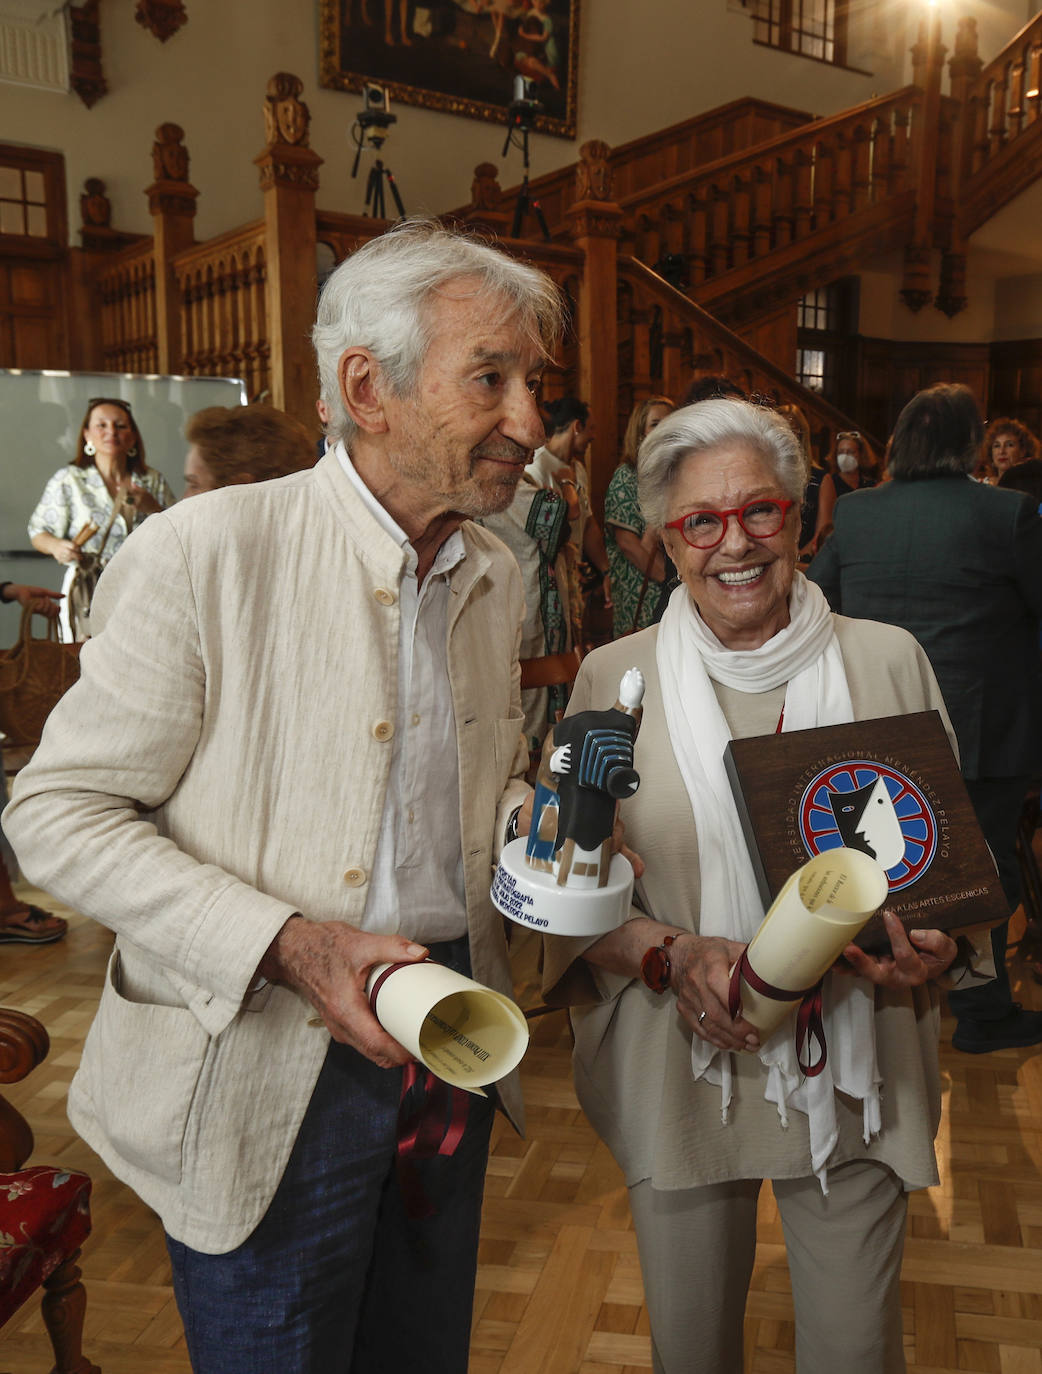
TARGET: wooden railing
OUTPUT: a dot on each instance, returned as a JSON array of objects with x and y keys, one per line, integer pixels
[
  {"x": 747, "y": 207},
  {"x": 126, "y": 289},
  {"x": 224, "y": 325},
  {"x": 1002, "y": 110},
  {"x": 667, "y": 340},
  {"x": 652, "y": 158}
]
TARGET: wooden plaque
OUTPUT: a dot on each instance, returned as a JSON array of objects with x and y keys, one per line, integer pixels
[{"x": 888, "y": 787}]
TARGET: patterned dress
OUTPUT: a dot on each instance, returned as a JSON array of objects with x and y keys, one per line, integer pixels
[
  {"x": 75, "y": 497},
  {"x": 622, "y": 509}
]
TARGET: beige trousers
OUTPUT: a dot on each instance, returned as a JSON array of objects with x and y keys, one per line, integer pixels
[{"x": 844, "y": 1250}]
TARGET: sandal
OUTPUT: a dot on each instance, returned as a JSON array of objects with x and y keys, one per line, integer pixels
[{"x": 34, "y": 927}]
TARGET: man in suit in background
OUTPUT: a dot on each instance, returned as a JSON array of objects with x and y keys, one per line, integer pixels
[
  {"x": 293, "y": 751},
  {"x": 959, "y": 565}
]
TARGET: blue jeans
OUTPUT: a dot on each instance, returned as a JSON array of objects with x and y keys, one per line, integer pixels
[{"x": 338, "y": 1278}]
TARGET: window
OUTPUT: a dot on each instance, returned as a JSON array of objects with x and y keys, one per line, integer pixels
[
  {"x": 32, "y": 197},
  {"x": 825, "y": 328},
  {"x": 811, "y": 28}
]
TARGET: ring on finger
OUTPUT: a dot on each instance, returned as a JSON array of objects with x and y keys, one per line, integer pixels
[{"x": 701, "y": 1017}]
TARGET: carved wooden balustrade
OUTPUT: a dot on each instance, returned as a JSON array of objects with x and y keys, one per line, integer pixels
[
  {"x": 222, "y": 292},
  {"x": 652, "y": 158},
  {"x": 753, "y": 224},
  {"x": 126, "y": 289},
  {"x": 1002, "y": 152},
  {"x": 666, "y": 339}
]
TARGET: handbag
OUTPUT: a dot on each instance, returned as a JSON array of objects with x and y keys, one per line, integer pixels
[{"x": 34, "y": 674}]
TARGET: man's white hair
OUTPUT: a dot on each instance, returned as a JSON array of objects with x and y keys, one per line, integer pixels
[{"x": 377, "y": 299}]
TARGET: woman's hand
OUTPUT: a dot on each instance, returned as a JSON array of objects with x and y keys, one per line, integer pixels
[
  {"x": 142, "y": 500},
  {"x": 700, "y": 975},
  {"x": 39, "y": 599},
  {"x": 64, "y": 550},
  {"x": 918, "y": 956}
]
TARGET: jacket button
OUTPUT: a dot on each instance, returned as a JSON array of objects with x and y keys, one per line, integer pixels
[
  {"x": 384, "y": 597},
  {"x": 383, "y": 730},
  {"x": 354, "y": 877}
]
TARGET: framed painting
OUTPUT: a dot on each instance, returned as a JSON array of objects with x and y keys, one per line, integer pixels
[{"x": 457, "y": 55}]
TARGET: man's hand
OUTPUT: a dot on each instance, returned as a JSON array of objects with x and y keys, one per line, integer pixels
[
  {"x": 328, "y": 962},
  {"x": 700, "y": 975},
  {"x": 907, "y": 966}
]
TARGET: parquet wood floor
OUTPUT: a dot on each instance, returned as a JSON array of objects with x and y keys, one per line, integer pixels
[{"x": 559, "y": 1289}]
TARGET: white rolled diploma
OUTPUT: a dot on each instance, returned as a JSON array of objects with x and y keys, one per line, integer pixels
[
  {"x": 465, "y": 1033},
  {"x": 814, "y": 917}
]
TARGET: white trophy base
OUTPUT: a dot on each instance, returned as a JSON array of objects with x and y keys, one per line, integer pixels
[{"x": 533, "y": 898}]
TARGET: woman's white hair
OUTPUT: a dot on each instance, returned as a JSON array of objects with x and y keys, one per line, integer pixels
[
  {"x": 711, "y": 425},
  {"x": 377, "y": 299}
]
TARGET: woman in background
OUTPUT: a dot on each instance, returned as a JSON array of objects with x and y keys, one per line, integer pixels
[
  {"x": 90, "y": 506},
  {"x": 1006, "y": 443},
  {"x": 634, "y": 558},
  {"x": 231, "y": 445},
  {"x": 851, "y": 466}
]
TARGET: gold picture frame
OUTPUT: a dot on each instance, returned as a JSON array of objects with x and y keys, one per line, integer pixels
[{"x": 457, "y": 55}]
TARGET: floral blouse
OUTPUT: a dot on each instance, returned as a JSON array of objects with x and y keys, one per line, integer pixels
[
  {"x": 76, "y": 496},
  {"x": 622, "y": 509}
]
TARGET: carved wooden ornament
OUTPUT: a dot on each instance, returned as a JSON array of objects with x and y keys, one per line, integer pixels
[
  {"x": 161, "y": 17},
  {"x": 286, "y": 117}
]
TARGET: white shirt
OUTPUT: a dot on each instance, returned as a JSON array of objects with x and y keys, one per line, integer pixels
[{"x": 417, "y": 885}]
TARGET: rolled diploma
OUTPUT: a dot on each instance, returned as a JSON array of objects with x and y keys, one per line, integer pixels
[
  {"x": 467, "y": 1034},
  {"x": 814, "y": 917}
]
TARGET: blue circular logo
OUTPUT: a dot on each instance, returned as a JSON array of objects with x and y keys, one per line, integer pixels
[{"x": 869, "y": 806}]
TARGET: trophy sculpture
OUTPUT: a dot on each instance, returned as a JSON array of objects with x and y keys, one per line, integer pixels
[{"x": 563, "y": 878}]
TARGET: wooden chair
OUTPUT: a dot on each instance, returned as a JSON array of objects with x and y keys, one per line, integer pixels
[{"x": 44, "y": 1211}]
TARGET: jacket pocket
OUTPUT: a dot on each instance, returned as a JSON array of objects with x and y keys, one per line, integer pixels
[
  {"x": 507, "y": 741},
  {"x": 146, "y": 1060}
]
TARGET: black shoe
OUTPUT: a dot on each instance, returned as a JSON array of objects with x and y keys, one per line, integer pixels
[{"x": 1015, "y": 1030}]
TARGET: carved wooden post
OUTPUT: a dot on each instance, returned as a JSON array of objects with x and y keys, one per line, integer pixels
[
  {"x": 289, "y": 180},
  {"x": 171, "y": 202},
  {"x": 486, "y": 209},
  {"x": 595, "y": 225},
  {"x": 963, "y": 70},
  {"x": 929, "y": 62}
]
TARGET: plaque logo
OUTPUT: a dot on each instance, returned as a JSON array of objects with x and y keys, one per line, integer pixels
[{"x": 874, "y": 808}]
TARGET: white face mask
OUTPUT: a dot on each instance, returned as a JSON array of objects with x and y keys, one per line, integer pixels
[{"x": 846, "y": 461}]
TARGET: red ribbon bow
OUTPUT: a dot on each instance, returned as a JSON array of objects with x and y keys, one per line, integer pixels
[{"x": 809, "y": 1025}]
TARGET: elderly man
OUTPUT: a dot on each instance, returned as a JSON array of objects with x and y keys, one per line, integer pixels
[{"x": 293, "y": 749}]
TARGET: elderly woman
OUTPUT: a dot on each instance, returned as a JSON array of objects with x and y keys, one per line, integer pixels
[
  {"x": 1006, "y": 443},
  {"x": 696, "y": 1111},
  {"x": 106, "y": 489},
  {"x": 235, "y": 445},
  {"x": 637, "y": 567}
]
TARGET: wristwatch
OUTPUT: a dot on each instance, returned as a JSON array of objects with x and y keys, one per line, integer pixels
[{"x": 655, "y": 967}]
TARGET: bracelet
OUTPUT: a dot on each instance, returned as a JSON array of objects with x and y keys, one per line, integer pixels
[{"x": 656, "y": 967}]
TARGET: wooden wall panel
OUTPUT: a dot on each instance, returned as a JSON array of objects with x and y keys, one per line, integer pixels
[
  {"x": 32, "y": 316},
  {"x": 890, "y": 373},
  {"x": 1016, "y": 382}
]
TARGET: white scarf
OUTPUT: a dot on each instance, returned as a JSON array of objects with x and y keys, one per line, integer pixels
[{"x": 806, "y": 655}]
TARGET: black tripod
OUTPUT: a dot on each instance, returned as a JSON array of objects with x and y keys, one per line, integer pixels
[
  {"x": 525, "y": 201},
  {"x": 374, "y": 191}
]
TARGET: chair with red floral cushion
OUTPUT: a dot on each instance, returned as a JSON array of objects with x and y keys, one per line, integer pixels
[{"x": 44, "y": 1212}]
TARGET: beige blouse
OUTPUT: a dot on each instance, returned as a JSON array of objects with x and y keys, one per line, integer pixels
[{"x": 632, "y": 1050}]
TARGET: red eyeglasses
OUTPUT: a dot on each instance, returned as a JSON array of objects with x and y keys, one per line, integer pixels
[{"x": 760, "y": 518}]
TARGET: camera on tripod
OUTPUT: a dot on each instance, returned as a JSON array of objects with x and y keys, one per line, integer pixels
[
  {"x": 522, "y": 109},
  {"x": 371, "y": 129},
  {"x": 373, "y": 123}
]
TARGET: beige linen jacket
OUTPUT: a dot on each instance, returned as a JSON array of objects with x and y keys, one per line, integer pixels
[{"x": 221, "y": 764}]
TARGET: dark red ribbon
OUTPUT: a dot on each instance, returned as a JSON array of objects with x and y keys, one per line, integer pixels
[
  {"x": 809, "y": 1025},
  {"x": 432, "y": 1116}
]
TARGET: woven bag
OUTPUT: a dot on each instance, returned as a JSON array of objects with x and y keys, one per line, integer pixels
[{"x": 34, "y": 673}]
